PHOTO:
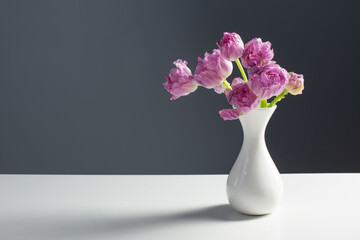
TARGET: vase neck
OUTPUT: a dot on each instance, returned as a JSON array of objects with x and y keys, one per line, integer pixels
[{"x": 255, "y": 122}]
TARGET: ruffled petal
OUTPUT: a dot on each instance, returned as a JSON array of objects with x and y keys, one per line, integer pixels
[
  {"x": 230, "y": 114},
  {"x": 237, "y": 81}
]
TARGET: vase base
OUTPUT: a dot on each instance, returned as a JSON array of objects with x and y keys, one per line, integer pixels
[
  {"x": 252, "y": 210},
  {"x": 252, "y": 214}
]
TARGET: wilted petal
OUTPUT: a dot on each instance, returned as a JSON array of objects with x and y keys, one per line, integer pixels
[{"x": 230, "y": 114}]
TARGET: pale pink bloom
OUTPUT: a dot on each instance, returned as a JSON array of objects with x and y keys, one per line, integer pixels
[
  {"x": 180, "y": 81},
  {"x": 241, "y": 98},
  {"x": 231, "y": 46},
  {"x": 296, "y": 84},
  {"x": 268, "y": 81},
  {"x": 256, "y": 53},
  {"x": 212, "y": 69}
]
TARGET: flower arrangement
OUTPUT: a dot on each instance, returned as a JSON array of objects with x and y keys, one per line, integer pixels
[{"x": 265, "y": 80}]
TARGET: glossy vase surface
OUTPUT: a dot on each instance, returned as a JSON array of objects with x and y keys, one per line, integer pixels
[{"x": 254, "y": 185}]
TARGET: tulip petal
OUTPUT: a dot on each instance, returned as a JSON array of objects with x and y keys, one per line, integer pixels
[
  {"x": 237, "y": 81},
  {"x": 230, "y": 114},
  {"x": 219, "y": 89}
]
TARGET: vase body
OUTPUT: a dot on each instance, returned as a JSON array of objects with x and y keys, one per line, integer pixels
[{"x": 254, "y": 185}]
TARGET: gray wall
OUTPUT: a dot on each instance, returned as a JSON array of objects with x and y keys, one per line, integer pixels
[{"x": 81, "y": 86}]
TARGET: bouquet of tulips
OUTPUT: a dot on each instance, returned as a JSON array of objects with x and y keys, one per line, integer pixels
[{"x": 265, "y": 80}]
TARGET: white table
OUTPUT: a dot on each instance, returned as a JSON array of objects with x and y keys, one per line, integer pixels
[{"x": 193, "y": 207}]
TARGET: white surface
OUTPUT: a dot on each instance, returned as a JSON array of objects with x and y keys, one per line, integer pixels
[
  {"x": 254, "y": 185},
  {"x": 43, "y": 207}
]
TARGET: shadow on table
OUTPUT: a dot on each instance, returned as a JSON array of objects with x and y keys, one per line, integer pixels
[
  {"x": 218, "y": 213},
  {"x": 85, "y": 227}
]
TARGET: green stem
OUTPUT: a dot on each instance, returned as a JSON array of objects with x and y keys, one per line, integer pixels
[
  {"x": 263, "y": 103},
  {"x": 278, "y": 98},
  {"x": 241, "y": 70},
  {"x": 227, "y": 84}
]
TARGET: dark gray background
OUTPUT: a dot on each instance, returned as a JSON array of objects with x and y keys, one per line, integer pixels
[{"x": 81, "y": 86}]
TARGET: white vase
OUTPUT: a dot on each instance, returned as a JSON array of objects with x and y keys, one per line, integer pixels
[{"x": 254, "y": 185}]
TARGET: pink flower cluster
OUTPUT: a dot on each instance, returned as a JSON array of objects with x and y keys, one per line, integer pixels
[{"x": 266, "y": 78}]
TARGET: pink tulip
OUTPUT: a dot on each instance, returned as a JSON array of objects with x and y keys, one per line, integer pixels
[
  {"x": 180, "y": 81},
  {"x": 212, "y": 69},
  {"x": 268, "y": 81},
  {"x": 256, "y": 53},
  {"x": 296, "y": 84},
  {"x": 231, "y": 46},
  {"x": 242, "y": 98}
]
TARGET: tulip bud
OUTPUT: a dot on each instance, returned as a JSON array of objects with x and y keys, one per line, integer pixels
[{"x": 296, "y": 84}]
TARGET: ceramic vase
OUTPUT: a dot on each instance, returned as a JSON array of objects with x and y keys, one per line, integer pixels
[{"x": 254, "y": 185}]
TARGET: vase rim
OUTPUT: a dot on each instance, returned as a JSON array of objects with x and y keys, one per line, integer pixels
[{"x": 273, "y": 107}]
